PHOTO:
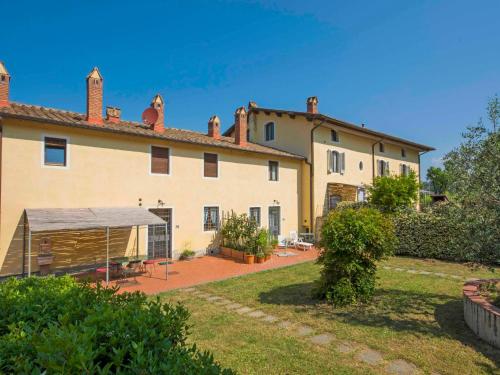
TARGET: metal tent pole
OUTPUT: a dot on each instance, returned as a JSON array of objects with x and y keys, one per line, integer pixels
[
  {"x": 154, "y": 240},
  {"x": 137, "y": 236},
  {"x": 29, "y": 252},
  {"x": 107, "y": 256}
]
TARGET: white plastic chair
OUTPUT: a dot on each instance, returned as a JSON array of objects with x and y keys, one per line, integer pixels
[
  {"x": 294, "y": 238},
  {"x": 282, "y": 242}
]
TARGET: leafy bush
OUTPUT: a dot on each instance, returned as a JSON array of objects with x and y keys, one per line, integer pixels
[
  {"x": 242, "y": 233},
  {"x": 390, "y": 193},
  {"x": 353, "y": 240},
  {"x": 55, "y": 325},
  {"x": 445, "y": 231}
]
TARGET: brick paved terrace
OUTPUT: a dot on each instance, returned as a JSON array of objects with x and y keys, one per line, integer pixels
[{"x": 182, "y": 274}]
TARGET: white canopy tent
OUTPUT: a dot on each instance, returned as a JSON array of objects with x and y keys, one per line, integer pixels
[{"x": 53, "y": 219}]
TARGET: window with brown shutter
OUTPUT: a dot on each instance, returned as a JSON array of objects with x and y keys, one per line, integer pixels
[
  {"x": 210, "y": 165},
  {"x": 160, "y": 160}
]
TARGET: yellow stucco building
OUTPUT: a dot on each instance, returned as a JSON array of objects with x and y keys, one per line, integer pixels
[{"x": 285, "y": 168}]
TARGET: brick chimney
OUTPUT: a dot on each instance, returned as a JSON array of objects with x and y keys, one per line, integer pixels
[
  {"x": 159, "y": 105},
  {"x": 94, "y": 97},
  {"x": 113, "y": 114},
  {"x": 240, "y": 126},
  {"x": 214, "y": 127},
  {"x": 4, "y": 85},
  {"x": 312, "y": 104},
  {"x": 252, "y": 104}
]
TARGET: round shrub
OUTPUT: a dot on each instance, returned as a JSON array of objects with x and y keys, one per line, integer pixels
[
  {"x": 353, "y": 240},
  {"x": 56, "y": 325}
]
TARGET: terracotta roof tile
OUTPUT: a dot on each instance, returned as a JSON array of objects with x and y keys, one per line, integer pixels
[{"x": 66, "y": 118}]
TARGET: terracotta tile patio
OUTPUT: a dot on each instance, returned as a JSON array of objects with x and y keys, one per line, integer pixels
[{"x": 182, "y": 274}]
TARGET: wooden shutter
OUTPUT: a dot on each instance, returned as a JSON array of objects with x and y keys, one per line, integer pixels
[
  {"x": 379, "y": 167},
  {"x": 387, "y": 170},
  {"x": 342, "y": 162},
  {"x": 159, "y": 160},
  {"x": 329, "y": 161},
  {"x": 210, "y": 165}
]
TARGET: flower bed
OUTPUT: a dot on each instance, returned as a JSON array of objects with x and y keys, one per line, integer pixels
[{"x": 480, "y": 315}]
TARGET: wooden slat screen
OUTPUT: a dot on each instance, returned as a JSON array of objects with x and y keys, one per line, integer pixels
[
  {"x": 160, "y": 160},
  {"x": 210, "y": 165}
]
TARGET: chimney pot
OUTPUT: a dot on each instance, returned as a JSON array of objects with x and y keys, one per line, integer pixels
[
  {"x": 312, "y": 104},
  {"x": 158, "y": 104},
  {"x": 214, "y": 127},
  {"x": 113, "y": 114},
  {"x": 94, "y": 97},
  {"x": 252, "y": 104},
  {"x": 4, "y": 85},
  {"x": 240, "y": 126}
]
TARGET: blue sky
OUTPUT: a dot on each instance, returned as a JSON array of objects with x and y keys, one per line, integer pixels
[{"x": 421, "y": 70}]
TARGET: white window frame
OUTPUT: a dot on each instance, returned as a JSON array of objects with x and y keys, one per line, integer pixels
[
  {"x": 151, "y": 160},
  {"x": 274, "y": 131},
  {"x": 336, "y": 164},
  {"x": 277, "y": 171},
  {"x": 203, "y": 217},
  {"x": 260, "y": 213},
  {"x": 42, "y": 153}
]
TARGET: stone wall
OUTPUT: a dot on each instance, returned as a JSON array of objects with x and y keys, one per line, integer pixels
[{"x": 480, "y": 315}]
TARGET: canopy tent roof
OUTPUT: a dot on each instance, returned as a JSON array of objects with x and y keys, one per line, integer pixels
[{"x": 48, "y": 219}]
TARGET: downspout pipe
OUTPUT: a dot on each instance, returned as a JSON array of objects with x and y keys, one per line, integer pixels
[
  {"x": 311, "y": 177},
  {"x": 373, "y": 158}
]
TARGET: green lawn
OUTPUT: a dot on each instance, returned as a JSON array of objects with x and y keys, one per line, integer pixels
[{"x": 417, "y": 318}]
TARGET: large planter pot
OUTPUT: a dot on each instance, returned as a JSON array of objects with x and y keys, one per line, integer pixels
[
  {"x": 267, "y": 257},
  {"x": 260, "y": 259},
  {"x": 249, "y": 258},
  {"x": 239, "y": 255},
  {"x": 225, "y": 251}
]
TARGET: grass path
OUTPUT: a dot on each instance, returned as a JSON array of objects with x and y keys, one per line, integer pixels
[{"x": 413, "y": 317}]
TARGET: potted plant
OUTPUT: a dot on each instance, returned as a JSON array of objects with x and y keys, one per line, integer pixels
[
  {"x": 187, "y": 254},
  {"x": 268, "y": 252},
  {"x": 249, "y": 258},
  {"x": 260, "y": 256},
  {"x": 274, "y": 243}
]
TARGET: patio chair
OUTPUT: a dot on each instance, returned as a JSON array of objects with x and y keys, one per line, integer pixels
[
  {"x": 282, "y": 242},
  {"x": 294, "y": 238},
  {"x": 304, "y": 246}
]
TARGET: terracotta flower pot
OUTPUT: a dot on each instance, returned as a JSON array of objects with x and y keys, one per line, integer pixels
[
  {"x": 236, "y": 254},
  {"x": 260, "y": 259},
  {"x": 225, "y": 251},
  {"x": 249, "y": 258},
  {"x": 267, "y": 257}
]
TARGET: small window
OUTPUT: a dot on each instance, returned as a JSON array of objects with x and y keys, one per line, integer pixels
[
  {"x": 210, "y": 218},
  {"x": 273, "y": 171},
  {"x": 335, "y": 136},
  {"x": 381, "y": 147},
  {"x": 255, "y": 214},
  {"x": 361, "y": 196},
  {"x": 336, "y": 162},
  {"x": 405, "y": 170},
  {"x": 383, "y": 168},
  {"x": 55, "y": 151},
  {"x": 210, "y": 165},
  {"x": 403, "y": 153},
  {"x": 269, "y": 131},
  {"x": 160, "y": 160},
  {"x": 333, "y": 200},
  {"x": 360, "y": 165},
  {"x": 248, "y": 134}
]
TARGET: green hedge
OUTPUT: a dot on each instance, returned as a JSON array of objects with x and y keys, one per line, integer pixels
[
  {"x": 448, "y": 232},
  {"x": 56, "y": 325}
]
